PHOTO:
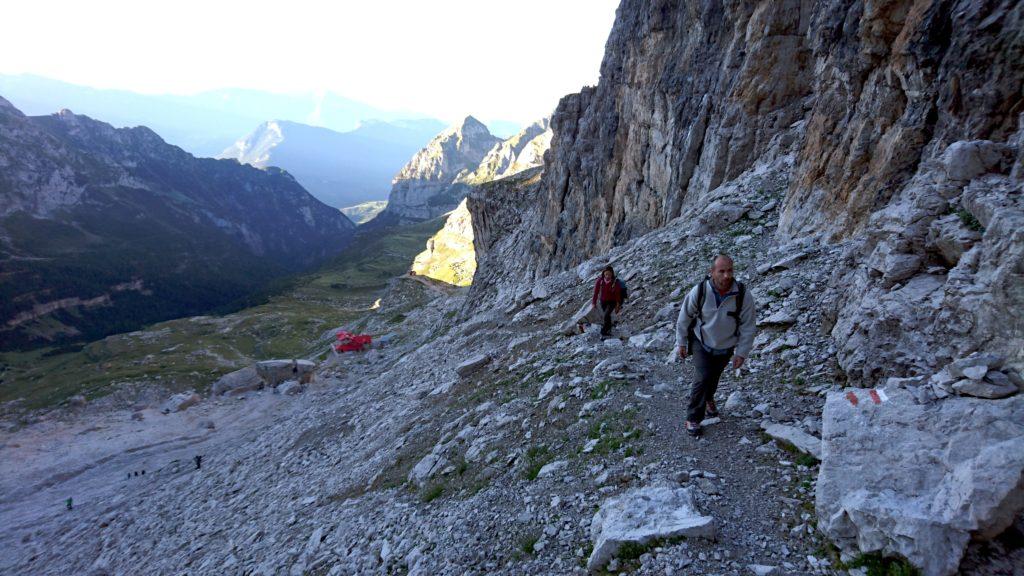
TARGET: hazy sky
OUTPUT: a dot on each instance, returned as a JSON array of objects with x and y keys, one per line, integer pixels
[{"x": 511, "y": 59}]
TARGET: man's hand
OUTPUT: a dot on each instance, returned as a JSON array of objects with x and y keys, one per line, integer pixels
[
  {"x": 618, "y": 308},
  {"x": 737, "y": 361},
  {"x": 682, "y": 352}
]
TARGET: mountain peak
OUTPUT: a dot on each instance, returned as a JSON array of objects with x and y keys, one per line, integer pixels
[{"x": 470, "y": 124}]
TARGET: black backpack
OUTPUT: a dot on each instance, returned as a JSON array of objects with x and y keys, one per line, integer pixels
[
  {"x": 622, "y": 289},
  {"x": 701, "y": 290}
]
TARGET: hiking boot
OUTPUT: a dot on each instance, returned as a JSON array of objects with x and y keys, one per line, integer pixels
[
  {"x": 692, "y": 428},
  {"x": 710, "y": 409}
]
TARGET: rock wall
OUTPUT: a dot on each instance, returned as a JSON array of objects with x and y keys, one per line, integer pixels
[{"x": 874, "y": 101}]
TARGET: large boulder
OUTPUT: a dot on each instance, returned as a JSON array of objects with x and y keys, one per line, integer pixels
[
  {"x": 644, "y": 516},
  {"x": 238, "y": 381},
  {"x": 273, "y": 372},
  {"x": 919, "y": 480}
]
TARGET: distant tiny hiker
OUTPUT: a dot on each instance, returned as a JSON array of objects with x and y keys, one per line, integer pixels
[
  {"x": 712, "y": 330},
  {"x": 199, "y": 461}
]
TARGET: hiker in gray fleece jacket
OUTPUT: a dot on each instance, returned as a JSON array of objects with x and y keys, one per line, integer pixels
[{"x": 717, "y": 335}]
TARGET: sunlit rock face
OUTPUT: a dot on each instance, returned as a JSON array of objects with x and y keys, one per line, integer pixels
[
  {"x": 520, "y": 152},
  {"x": 429, "y": 185},
  {"x": 449, "y": 256}
]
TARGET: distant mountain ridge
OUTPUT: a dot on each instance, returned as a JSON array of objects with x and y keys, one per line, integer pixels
[
  {"x": 103, "y": 230},
  {"x": 340, "y": 168},
  {"x": 203, "y": 124}
]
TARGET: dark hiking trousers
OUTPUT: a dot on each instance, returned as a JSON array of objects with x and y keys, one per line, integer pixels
[
  {"x": 607, "y": 308},
  {"x": 709, "y": 368}
]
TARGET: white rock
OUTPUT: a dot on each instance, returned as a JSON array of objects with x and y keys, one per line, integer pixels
[
  {"x": 975, "y": 372},
  {"x": 762, "y": 570},
  {"x": 552, "y": 468},
  {"x": 642, "y": 515},
  {"x": 180, "y": 402},
  {"x": 237, "y": 382},
  {"x": 273, "y": 372},
  {"x": 426, "y": 467},
  {"x": 795, "y": 436},
  {"x": 982, "y": 389},
  {"x": 920, "y": 480},
  {"x": 736, "y": 402},
  {"x": 290, "y": 388},
  {"x": 471, "y": 365}
]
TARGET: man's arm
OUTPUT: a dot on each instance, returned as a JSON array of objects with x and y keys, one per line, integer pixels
[
  {"x": 748, "y": 327},
  {"x": 687, "y": 311}
]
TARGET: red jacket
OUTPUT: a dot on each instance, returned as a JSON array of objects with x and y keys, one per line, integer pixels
[{"x": 607, "y": 291}]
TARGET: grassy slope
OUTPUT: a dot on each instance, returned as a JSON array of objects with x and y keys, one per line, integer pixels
[{"x": 193, "y": 352}]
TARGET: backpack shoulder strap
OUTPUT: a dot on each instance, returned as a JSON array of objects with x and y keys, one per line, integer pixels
[
  {"x": 701, "y": 291},
  {"x": 739, "y": 304}
]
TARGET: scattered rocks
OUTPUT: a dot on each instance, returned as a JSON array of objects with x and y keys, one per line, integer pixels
[{"x": 179, "y": 402}]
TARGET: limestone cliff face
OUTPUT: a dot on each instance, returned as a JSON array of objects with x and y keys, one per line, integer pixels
[
  {"x": 429, "y": 185},
  {"x": 449, "y": 255},
  {"x": 897, "y": 124},
  {"x": 692, "y": 94}
]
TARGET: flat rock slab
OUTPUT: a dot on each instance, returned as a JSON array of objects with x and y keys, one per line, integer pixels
[
  {"x": 642, "y": 516},
  {"x": 472, "y": 364},
  {"x": 919, "y": 480},
  {"x": 795, "y": 436},
  {"x": 273, "y": 372}
]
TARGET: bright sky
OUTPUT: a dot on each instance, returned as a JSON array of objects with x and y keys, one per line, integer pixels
[{"x": 511, "y": 59}]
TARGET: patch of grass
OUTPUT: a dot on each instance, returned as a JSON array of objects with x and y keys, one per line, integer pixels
[
  {"x": 970, "y": 221},
  {"x": 431, "y": 493},
  {"x": 536, "y": 457},
  {"x": 527, "y": 541},
  {"x": 396, "y": 319},
  {"x": 879, "y": 565},
  {"x": 806, "y": 460}
]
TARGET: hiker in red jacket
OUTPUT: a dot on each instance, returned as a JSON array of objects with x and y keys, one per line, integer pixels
[{"x": 610, "y": 292}]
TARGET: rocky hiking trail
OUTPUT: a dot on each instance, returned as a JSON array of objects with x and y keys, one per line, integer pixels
[
  {"x": 487, "y": 436},
  {"x": 477, "y": 446}
]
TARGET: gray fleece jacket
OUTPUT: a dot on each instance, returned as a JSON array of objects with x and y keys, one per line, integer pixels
[{"x": 718, "y": 328}]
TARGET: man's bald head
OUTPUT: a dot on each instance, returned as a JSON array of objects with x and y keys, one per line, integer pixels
[{"x": 721, "y": 272}]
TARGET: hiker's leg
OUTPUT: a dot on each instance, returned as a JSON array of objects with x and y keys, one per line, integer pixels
[
  {"x": 607, "y": 308},
  {"x": 717, "y": 366},
  {"x": 698, "y": 393}
]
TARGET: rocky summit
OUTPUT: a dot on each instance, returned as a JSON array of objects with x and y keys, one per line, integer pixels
[
  {"x": 863, "y": 164},
  {"x": 427, "y": 186}
]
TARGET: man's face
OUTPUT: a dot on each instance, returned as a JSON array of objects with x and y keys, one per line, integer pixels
[
  {"x": 608, "y": 275},
  {"x": 721, "y": 274}
]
